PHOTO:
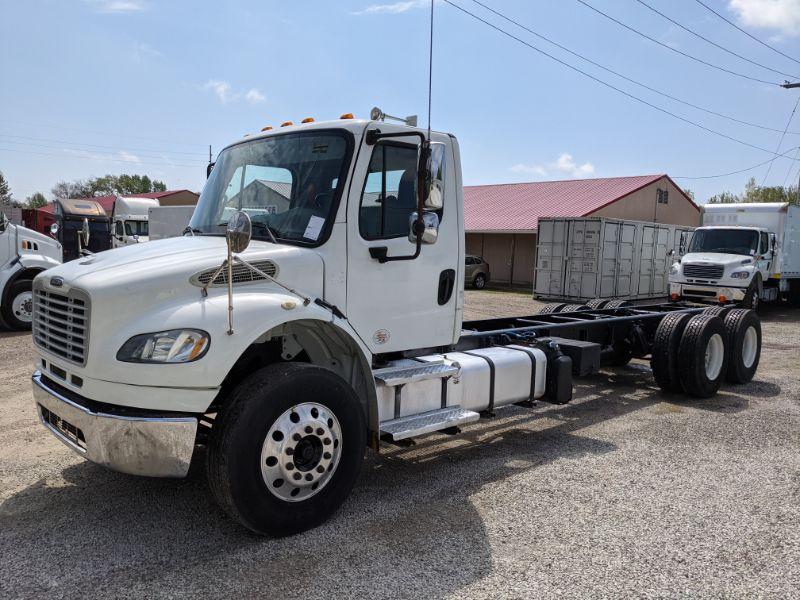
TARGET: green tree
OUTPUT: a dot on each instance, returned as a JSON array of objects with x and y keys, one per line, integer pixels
[
  {"x": 724, "y": 198},
  {"x": 756, "y": 193},
  {"x": 5, "y": 190},
  {"x": 108, "y": 185},
  {"x": 35, "y": 200}
]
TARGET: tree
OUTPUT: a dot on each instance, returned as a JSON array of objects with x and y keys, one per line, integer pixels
[
  {"x": 108, "y": 185},
  {"x": 5, "y": 190},
  {"x": 36, "y": 200},
  {"x": 689, "y": 193},
  {"x": 755, "y": 193},
  {"x": 724, "y": 198}
]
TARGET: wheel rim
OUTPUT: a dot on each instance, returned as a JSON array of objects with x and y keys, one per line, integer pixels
[
  {"x": 715, "y": 354},
  {"x": 22, "y": 307},
  {"x": 301, "y": 452},
  {"x": 479, "y": 282},
  {"x": 749, "y": 347},
  {"x": 754, "y": 302}
]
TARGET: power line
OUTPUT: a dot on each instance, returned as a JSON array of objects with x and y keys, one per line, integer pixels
[
  {"x": 116, "y": 135},
  {"x": 780, "y": 142},
  {"x": 132, "y": 158},
  {"x": 761, "y": 164},
  {"x": 97, "y": 158},
  {"x": 37, "y": 139},
  {"x": 713, "y": 43},
  {"x": 626, "y": 78},
  {"x": 605, "y": 83},
  {"x": 748, "y": 34},
  {"x": 668, "y": 47},
  {"x": 791, "y": 167}
]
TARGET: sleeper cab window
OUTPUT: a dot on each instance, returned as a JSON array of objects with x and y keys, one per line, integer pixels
[{"x": 390, "y": 189}]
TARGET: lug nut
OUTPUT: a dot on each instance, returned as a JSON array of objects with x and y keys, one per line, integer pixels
[
  {"x": 320, "y": 469},
  {"x": 309, "y": 476},
  {"x": 297, "y": 476}
]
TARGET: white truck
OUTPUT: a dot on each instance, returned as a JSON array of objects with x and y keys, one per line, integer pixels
[
  {"x": 130, "y": 220},
  {"x": 168, "y": 221},
  {"x": 743, "y": 253},
  {"x": 24, "y": 253},
  {"x": 313, "y": 309}
]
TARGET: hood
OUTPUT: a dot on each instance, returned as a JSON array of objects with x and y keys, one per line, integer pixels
[
  {"x": 162, "y": 269},
  {"x": 716, "y": 258}
]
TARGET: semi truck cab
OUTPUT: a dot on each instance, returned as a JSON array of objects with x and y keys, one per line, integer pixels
[
  {"x": 314, "y": 307},
  {"x": 130, "y": 220}
]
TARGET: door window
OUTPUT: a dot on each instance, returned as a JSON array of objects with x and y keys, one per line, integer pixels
[
  {"x": 390, "y": 192},
  {"x": 764, "y": 243},
  {"x": 118, "y": 229}
]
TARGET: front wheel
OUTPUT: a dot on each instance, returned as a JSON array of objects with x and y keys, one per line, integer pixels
[
  {"x": 751, "y": 299},
  {"x": 18, "y": 312},
  {"x": 479, "y": 282},
  {"x": 286, "y": 448}
]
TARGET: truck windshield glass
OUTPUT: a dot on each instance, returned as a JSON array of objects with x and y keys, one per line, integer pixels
[
  {"x": 727, "y": 241},
  {"x": 289, "y": 184},
  {"x": 136, "y": 227}
]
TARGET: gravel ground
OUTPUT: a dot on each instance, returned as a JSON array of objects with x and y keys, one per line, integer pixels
[{"x": 623, "y": 492}]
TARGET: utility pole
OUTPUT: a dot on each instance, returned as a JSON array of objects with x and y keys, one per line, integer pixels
[{"x": 789, "y": 85}]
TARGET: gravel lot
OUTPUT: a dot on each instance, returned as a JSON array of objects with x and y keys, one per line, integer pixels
[{"x": 623, "y": 492}]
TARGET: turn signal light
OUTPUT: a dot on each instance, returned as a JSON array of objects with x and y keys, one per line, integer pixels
[
  {"x": 308, "y": 120},
  {"x": 286, "y": 123},
  {"x": 722, "y": 298},
  {"x": 673, "y": 296},
  {"x": 267, "y": 128},
  {"x": 347, "y": 116}
]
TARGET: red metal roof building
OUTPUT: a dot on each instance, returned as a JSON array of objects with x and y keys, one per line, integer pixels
[{"x": 501, "y": 220}]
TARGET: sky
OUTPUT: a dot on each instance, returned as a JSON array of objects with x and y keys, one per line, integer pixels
[{"x": 90, "y": 87}]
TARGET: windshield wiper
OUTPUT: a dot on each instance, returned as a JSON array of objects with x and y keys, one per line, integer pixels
[
  {"x": 192, "y": 230},
  {"x": 268, "y": 229}
]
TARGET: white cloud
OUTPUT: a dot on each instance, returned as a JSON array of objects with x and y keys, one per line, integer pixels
[
  {"x": 128, "y": 157},
  {"x": 254, "y": 96},
  {"x": 142, "y": 52},
  {"x": 393, "y": 9},
  {"x": 117, "y": 6},
  {"x": 781, "y": 15},
  {"x": 222, "y": 89},
  {"x": 563, "y": 165}
]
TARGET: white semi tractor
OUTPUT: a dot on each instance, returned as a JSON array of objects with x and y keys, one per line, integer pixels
[
  {"x": 743, "y": 253},
  {"x": 314, "y": 308},
  {"x": 24, "y": 253},
  {"x": 130, "y": 220}
]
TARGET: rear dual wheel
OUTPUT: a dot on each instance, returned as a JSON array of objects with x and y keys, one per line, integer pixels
[
  {"x": 744, "y": 338},
  {"x": 702, "y": 355},
  {"x": 286, "y": 449}
]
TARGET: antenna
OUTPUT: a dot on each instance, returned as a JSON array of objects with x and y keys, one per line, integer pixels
[{"x": 430, "y": 73}]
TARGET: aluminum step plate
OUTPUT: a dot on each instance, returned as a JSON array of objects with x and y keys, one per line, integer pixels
[
  {"x": 399, "y": 375},
  {"x": 427, "y": 422}
]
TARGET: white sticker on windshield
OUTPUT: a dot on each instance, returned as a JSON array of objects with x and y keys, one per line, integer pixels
[{"x": 314, "y": 228}]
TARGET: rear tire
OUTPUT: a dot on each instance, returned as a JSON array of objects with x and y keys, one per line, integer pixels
[
  {"x": 617, "y": 304},
  {"x": 479, "y": 282},
  {"x": 664, "y": 358},
  {"x": 744, "y": 344},
  {"x": 256, "y": 438},
  {"x": 554, "y": 307},
  {"x": 572, "y": 308},
  {"x": 597, "y": 303},
  {"x": 702, "y": 355},
  {"x": 717, "y": 311},
  {"x": 18, "y": 312}
]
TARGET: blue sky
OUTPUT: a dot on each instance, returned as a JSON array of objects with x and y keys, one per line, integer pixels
[{"x": 90, "y": 87}]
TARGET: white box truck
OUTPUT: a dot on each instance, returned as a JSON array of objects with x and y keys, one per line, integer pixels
[
  {"x": 130, "y": 220},
  {"x": 287, "y": 337},
  {"x": 581, "y": 258},
  {"x": 743, "y": 253},
  {"x": 24, "y": 253},
  {"x": 169, "y": 221}
]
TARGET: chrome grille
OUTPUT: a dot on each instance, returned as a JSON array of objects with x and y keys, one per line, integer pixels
[
  {"x": 703, "y": 271},
  {"x": 61, "y": 323},
  {"x": 241, "y": 274}
]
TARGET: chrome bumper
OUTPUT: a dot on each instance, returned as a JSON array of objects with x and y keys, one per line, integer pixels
[{"x": 151, "y": 446}]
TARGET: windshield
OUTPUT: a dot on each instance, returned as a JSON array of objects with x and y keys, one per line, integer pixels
[
  {"x": 288, "y": 183},
  {"x": 726, "y": 241},
  {"x": 135, "y": 227}
]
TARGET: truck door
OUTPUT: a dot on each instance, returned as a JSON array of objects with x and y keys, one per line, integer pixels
[
  {"x": 404, "y": 304},
  {"x": 764, "y": 263}
]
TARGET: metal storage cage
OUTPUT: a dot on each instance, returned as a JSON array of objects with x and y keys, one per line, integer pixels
[{"x": 595, "y": 257}]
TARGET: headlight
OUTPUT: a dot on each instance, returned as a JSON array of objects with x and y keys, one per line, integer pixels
[
  {"x": 174, "y": 346},
  {"x": 740, "y": 274},
  {"x": 675, "y": 269}
]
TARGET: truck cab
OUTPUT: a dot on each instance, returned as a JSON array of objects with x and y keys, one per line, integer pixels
[
  {"x": 72, "y": 217},
  {"x": 130, "y": 220},
  {"x": 743, "y": 253},
  {"x": 24, "y": 253}
]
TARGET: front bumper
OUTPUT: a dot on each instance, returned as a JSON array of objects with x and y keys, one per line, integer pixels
[
  {"x": 706, "y": 293},
  {"x": 154, "y": 446}
]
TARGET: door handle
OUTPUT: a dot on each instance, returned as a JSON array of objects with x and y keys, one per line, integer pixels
[{"x": 447, "y": 282}]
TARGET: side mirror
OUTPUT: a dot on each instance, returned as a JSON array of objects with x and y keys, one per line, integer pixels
[
  {"x": 54, "y": 230},
  {"x": 85, "y": 233},
  {"x": 434, "y": 175},
  {"x": 239, "y": 232},
  {"x": 135, "y": 237},
  {"x": 430, "y": 224},
  {"x": 209, "y": 168},
  {"x": 670, "y": 252}
]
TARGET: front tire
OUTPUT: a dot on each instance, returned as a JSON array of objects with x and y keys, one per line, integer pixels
[
  {"x": 751, "y": 299},
  {"x": 18, "y": 312},
  {"x": 286, "y": 448},
  {"x": 479, "y": 282}
]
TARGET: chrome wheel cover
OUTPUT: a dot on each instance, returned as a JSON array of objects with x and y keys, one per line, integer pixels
[
  {"x": 301, "y": 452},
  {"x": 715, "y": 356},
  {"x": 22, "y": 306},
  {"x": 749, "y": 347}
]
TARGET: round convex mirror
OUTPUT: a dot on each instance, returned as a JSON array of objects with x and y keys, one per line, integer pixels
[{"x": 239, "y": 231}]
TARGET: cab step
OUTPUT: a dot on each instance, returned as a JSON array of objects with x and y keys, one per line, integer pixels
[
  {"x": 412, "y": 371},
  {"x": 435, "y": 420}
]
